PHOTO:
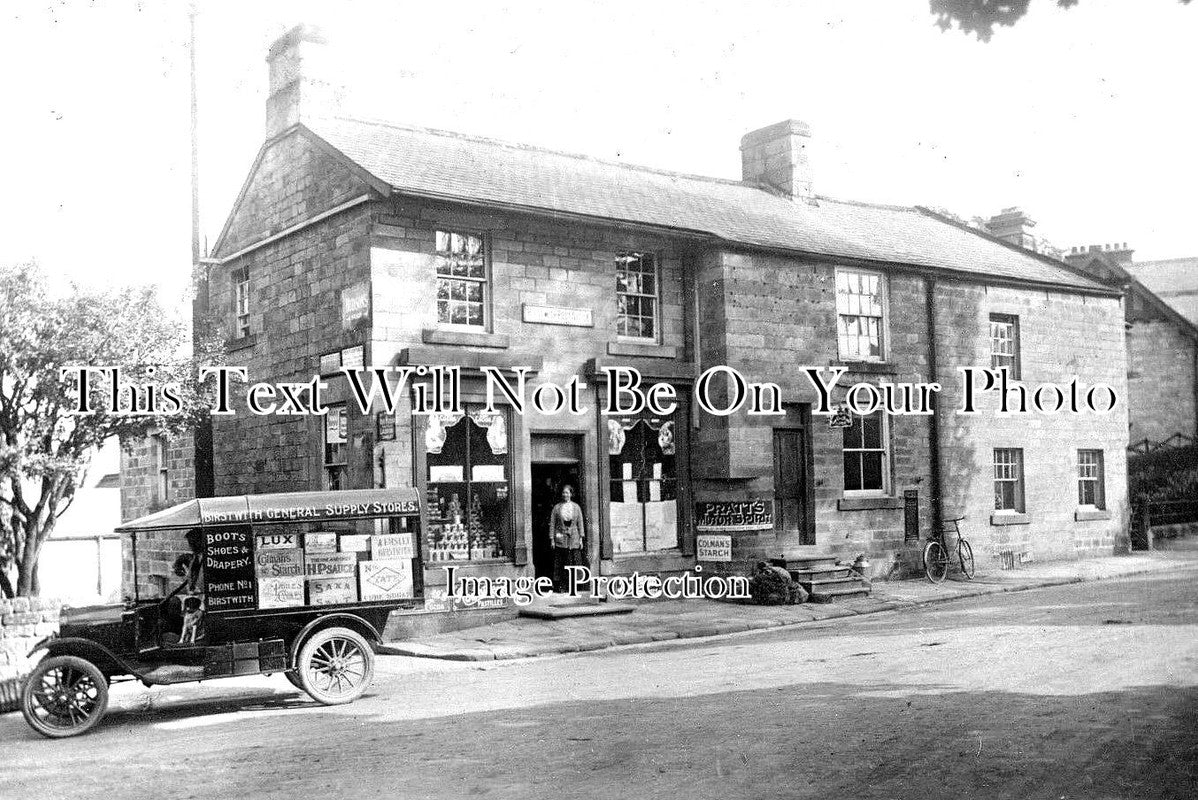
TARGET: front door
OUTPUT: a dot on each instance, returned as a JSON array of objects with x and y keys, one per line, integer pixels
[
  {"x": 547, "y": 483},
  {"x": 792, "y": 487},
  {"x": 555, "y": 465}
]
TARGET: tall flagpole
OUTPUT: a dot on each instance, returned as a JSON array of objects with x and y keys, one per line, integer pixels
[
  {"x": 202, "y": 437},
  {"x": 196, "y": 254}
]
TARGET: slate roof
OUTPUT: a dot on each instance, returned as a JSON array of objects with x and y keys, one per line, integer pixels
[
  {"x": 1173, "y": 280},
  {"x": 458, "y": 167}
]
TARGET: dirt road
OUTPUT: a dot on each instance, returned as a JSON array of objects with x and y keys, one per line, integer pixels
[{"x": 1084, "y": 691}]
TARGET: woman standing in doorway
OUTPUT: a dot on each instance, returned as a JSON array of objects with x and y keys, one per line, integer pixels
[{"x": 566, "y": 530}]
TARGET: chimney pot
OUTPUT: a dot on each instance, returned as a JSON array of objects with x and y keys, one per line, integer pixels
[
  {"x": 300, "y": 84},
  {"x": 1014, "y": 226},
  {"x": 776, "y": 157}
]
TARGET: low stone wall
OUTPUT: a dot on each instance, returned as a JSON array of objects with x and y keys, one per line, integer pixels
[
  {"x": 24, "y": 621},
  {"x": 1174, "y": 531}
]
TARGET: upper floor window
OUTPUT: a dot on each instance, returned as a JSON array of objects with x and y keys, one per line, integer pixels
[
  {"x": 335, "y": 447},
  {"x": 461, "y": 279},
  {"x": 1008, "y": 479},
  {"x": 241, "y": 302},
  {"x": 1004, "y": 343},
  {"x": 636, "y": 296},
  {"x": 866, "y": 464},
  {"x": 162, "y": 482},
  {"x": 860, "y": 315},
  {"x": 1090, "y": 480}
]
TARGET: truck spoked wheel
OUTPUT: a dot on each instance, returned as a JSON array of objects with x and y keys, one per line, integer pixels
[
  {"x": 64, "y": 696},
  {"x": 335, "y": 666}
]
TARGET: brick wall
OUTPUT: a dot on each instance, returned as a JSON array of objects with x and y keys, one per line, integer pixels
[
  {"x": 156, "y": 553},
  {"x": 1160, "y": 380},
  {"x": 24, "y": 621},
  {"x": 140, "y": 494}
]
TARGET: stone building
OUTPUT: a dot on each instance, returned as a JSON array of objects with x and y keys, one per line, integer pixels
[
  {"x": 1161, "y": 312},
  {"x": 355, "y": 242}
]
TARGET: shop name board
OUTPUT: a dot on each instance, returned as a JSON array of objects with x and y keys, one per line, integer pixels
[
  {"x": 710, "y": 547},
  {"x": 315, "y": 513},
  {"x": 558, "y": 315},
  {"x": 734, "y": 515}
]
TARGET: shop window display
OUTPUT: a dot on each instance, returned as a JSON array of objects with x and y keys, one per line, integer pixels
[
  {"x": 644, "y": 484},
  {"x": 468, "y": 487}
]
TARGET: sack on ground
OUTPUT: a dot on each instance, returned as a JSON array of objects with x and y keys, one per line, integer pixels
[{"x": 773, "y": 586}]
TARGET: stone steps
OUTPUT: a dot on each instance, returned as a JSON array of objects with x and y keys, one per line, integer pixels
[{"x": 823, "y": 577}]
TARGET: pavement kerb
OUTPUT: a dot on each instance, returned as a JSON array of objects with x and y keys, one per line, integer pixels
[{"x": 738, "y": 628}]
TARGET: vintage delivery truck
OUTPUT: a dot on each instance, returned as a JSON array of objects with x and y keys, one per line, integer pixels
[{"x": 300, "y": 584}]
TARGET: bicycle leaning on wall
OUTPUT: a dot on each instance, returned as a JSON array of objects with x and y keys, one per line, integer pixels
[{"x": 936, "y": 552}]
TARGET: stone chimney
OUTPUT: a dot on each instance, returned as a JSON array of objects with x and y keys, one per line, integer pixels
[
  {"x": 1100, "y": 260},
  {"x": 1013, "y": 226},
  {"x": 301, "y": 80},
  {"x": 776, "y": 158}
]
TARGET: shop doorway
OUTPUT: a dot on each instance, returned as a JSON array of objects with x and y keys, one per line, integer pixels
[
  {"x": 556, "y": 463},
  {"x": 793, "y": 486}
]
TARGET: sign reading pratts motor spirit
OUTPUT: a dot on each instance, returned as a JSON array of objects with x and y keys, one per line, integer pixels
[{"x": 734, "y": 515}]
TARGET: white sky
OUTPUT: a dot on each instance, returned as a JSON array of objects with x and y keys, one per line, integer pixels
[{"x": 1085, "y": 118}]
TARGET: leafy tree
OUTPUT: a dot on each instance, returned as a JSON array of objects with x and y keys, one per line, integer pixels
[
  {"x": 981, "y": 16},
  {"x": 44, "y": 445}
]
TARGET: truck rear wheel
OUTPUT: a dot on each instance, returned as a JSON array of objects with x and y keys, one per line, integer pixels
[
  {"x": 64, "y": 696},
  {"x": 335, "y": 666}
]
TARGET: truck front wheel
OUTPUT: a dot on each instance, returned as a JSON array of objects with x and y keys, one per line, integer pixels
[
  {"x": 64, "y": 696},
  {"x": 335, "y": 666}
]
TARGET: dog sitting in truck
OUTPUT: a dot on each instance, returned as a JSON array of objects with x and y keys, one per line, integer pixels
[{"x": 193, "y": 618}]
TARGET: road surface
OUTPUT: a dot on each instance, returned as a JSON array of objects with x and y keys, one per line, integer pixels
[{"x": 1083, "y": 691}]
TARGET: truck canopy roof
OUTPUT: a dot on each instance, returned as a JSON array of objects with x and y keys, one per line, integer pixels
[{"x": 274, "y": 509}]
